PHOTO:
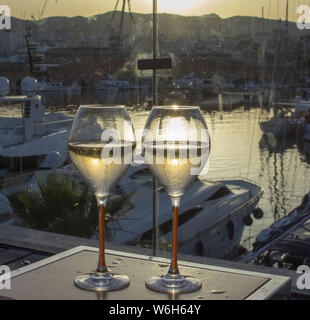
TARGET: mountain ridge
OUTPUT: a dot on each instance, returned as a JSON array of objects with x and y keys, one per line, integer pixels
[{"x": 171, "y": 26}]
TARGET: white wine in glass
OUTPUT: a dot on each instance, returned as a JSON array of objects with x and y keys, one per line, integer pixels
[
  {"x": 176, "y": 146},
  {"x": 101, "y": 144}
]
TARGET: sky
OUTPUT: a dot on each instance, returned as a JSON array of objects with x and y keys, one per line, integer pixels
[{"x": 225, "y": 8}]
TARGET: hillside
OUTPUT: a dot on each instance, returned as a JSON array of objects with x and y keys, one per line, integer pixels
[{"x": 171, "y": 27}]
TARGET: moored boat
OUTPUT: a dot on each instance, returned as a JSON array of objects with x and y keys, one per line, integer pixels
[
  {"x": 211, "y": 222},
  {"x": 273, "y": 238},
  {"x": 25, "y": 141}
]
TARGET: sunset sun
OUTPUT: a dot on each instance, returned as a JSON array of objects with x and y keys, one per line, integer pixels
[{"x": 178, "y": 6}]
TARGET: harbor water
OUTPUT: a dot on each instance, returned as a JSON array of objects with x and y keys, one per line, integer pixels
[{"x": 239, "y": 150}]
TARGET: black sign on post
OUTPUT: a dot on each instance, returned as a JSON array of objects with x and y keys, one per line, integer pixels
[{"x": 154, "y": 64}]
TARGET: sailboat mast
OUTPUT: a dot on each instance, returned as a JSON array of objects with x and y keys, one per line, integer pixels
[
  {"x": 122, "y": 20},
  {"x": 30, "y": 60},
  {"x": 155, "y": 102},
  {"x": 286, "y": 20}
]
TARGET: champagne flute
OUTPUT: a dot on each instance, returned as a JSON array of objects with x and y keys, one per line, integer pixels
[
  {"x": 101, "y": 145},
  {"x": 176, "y": 146}
]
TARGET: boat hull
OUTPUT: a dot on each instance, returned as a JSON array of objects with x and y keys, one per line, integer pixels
[
  {"x": 279, "y": 127},
  {"x": 217, "y": 241},
  {"x": 206, "y": 212}
]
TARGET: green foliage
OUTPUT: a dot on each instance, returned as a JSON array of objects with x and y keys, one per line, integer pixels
[{"x": 63, "y": 205}]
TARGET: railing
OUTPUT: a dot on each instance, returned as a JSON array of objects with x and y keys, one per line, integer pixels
[
  {"x": 16, "y": 179},
  {"x": 53, "y": 126},
  {"x": 246, "y": 180},
  {"x": 48, "y": 128},
  {"x": 250, "y": 256}
]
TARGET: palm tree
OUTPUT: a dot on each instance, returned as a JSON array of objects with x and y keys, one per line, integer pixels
[{"x": 62, "y": 205}]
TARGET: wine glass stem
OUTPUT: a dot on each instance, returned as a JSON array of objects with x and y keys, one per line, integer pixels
[
  {"x": 174, "y": 270},
  {"x": 101, "y": 265}
]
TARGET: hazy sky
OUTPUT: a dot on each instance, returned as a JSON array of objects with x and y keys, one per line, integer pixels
[{"x": 225, "y": 8}]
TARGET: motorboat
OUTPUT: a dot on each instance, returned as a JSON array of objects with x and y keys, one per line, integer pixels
[
  {"x": 25, "y": 141},
  {"x": 212, "y": 218},
  {"x": 301, "y": 103},
  {"x": 213, "y": 214},
  {"x": 285, "y": 122},
  {"x": 269, "y": 142},
  {"x": 111, "y": 83},
  {"x": 286, "y": 241},
  {"x": 45, "y": 86},
  {"x": 282, "y": 125}
]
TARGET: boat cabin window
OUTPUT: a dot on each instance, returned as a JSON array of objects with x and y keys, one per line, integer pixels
[
  {"x": 140, "y": 173},
  {"x": 223, "y": 191},
  {"x": 230, "y": 230},
  {"x": 27, "y": 109},
  {"x": 166, "y": 227}
]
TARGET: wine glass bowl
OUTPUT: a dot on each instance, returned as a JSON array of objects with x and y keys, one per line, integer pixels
[
  {"x": 176, "y": 145},
  {"x": 101, "y": 145}
]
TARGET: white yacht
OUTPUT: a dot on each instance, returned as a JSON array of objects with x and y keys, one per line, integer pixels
[
  {"x": 45, "y": 86},
  {"x": 213, "y": 215},
  {"x": 25, "y": 141},
  {"x": 38, "y": 53},
  {"x": 111, "y": 83},
  {"x": 212, "y": 218}
]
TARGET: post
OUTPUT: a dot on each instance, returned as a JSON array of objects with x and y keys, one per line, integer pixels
[
  {"x": 155, "y": 51},
  {"x": 155, "y": 102},
  {"x": 154, "y": 65}
]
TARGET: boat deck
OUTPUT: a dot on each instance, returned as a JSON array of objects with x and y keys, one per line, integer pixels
[{"x": 297, "y": 242}]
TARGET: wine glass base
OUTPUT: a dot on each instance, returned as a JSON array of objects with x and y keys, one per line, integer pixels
[
  {"x": 173, "y": 285},
  {"x": 101, "y": 282}
]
